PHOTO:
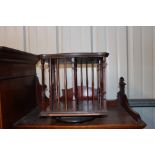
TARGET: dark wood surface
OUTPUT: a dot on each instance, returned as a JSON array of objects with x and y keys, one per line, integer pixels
[
  {"x": 17, "y": 85},
  {"x": 77, "y": 55},
  {"x": 116, "y": 118}
]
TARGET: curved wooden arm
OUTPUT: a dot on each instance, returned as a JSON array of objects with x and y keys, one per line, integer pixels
[{"x": 123, "y": 101}]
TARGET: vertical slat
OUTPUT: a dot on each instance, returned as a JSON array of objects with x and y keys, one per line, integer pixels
[
  {"x": 65, "y": 83},
  {"x": 104, "y": 83},
  {"x": 74, "y": 83},
  {"x": 87, "y": 78},
  {"x": 53, "y": 93},
  {"x": 92, "y": 80},
  {"x": 98, "y": 78},
  {"x": 81, "y": 80},
  {"x": 56, "y": 80},
  {"x": 43, "y": 84},
  {"x": 58, "y": 83},
  {"x": 50, "y": 83},
  {"x": 54, "y": 84},
  {"x": 75, "y": 80},
  {"x": 87, "y": 84},
  {"x": 101, "y": 83}
]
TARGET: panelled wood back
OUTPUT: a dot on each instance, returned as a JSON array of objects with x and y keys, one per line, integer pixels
[{"x": 17, "y": 85}]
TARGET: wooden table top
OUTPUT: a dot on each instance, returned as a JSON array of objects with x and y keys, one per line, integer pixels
[{"x": 117, "y": 118}]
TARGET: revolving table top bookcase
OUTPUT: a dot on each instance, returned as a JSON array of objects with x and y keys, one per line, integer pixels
[{"x": 76, "y": 85}]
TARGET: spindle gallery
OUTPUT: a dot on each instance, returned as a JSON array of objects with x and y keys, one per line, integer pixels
[
  {"x": 76, "y": 85},
  {"x": 70, "y": 94}
]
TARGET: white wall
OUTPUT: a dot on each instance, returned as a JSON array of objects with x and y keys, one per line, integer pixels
[
  {"x": 141, "y": 66},
  {"x": 132, "y": 50},
  {"x": 12, "y": 36},
  {"x": 40, "y": 39}
]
